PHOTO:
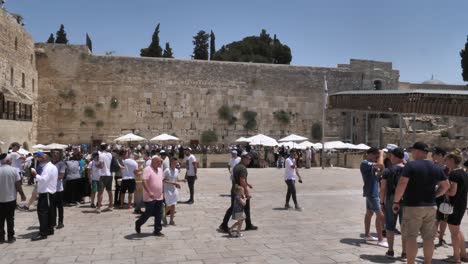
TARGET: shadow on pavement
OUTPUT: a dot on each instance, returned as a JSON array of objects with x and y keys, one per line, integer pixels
[
  {"x": 137, "y": 236},
  {"x": 225, "y": 195},
  {"x": 280, "y": 209},
  {"x": 28, "y": 235},
  {"x": 33, "y": 228},
  {"x": 353, "y": 241},
  {"x": 89, "y": 211},
  {"x": 378, "y": 259}
]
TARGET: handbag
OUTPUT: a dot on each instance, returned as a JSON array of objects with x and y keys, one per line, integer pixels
[{"x": 445, "y": 207}]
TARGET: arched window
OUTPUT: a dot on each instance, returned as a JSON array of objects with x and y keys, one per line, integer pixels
[
  {"x": 378, "y": 85},
  {"x": 16, "y": 43},
  {"x": 23, "y": 80},
  {"x": 33, "y": 84}
]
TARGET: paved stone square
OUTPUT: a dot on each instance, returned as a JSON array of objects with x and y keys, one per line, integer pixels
[{"x": 329, "y": 230}]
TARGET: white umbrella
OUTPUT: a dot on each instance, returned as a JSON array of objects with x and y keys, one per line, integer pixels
[
  {"x": 306, "y": 144},
  {"x": 242, "y": 139},
  {"x": 22, "y": 151},
  {"x": 362, "y": 147},
  {"x": 130, "y": 137},
  {"x": 38, "y": 146},
  {"x": 261, "y": 139},
  {"x": 289, "y": 144},
  {"x": 335, "y": 145},
  {"x": 55, "y": 146},
  {"x": 164, "y": 137},
  {"x": 293, "y": 138},
  {"x": 317, "y": 146}
]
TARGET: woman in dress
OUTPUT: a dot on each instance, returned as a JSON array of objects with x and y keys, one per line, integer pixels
[
  {"x": 171, "y": 184},
  {"x": 458, "y": 194}
]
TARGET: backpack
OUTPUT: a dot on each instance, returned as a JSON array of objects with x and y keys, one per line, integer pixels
[{"x": 114, "y": 167}]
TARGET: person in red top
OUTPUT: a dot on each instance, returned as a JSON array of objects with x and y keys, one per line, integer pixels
[{"x": 152, "y": 196}]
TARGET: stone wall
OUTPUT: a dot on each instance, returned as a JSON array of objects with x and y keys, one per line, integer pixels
[
  {"x": 15, "y": 131},
  {"x": 156, "y": 95},
  {"x": 18, "y": 81}
]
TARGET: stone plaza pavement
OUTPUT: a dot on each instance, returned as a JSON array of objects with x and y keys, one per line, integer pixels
[{"x": 329, "y": 230}]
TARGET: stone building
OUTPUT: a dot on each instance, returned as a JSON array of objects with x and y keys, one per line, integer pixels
[
  {"x": 85, "y": 97},
  {"x": 18, "y": 82}
]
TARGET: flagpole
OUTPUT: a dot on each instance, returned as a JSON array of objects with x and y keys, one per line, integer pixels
[{"x": 325, "y": 102}]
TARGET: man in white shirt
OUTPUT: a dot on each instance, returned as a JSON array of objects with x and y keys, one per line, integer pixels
[
  {"x": 166, "y": 162},
  {"x": 291, "y": 172},
  {"x": 10, "y": 184},
  {"x": 16, "y": 158},
  {"x": 105, "y": 179},
  {"x": 233, "y": 162},
  {"x": 128, "y": 180},
  {"x": 46, "y": 188},
  {"x": 191, "y": 174},
  {"x": 308, "y": 157}
]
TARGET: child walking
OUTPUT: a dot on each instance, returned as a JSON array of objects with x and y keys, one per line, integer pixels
[{"x": 238, "y": 211}]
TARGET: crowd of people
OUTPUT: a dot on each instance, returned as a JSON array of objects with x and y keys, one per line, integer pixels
[{"x": 423, "y": 195}]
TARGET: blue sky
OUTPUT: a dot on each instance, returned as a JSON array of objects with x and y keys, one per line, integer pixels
[{"x": 420, "y": 37}]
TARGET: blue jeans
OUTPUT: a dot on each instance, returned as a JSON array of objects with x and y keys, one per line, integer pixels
[{"x": 153, "y": 208}]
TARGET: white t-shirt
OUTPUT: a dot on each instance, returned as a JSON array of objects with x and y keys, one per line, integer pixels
[
  {"x": 61, "y": 168},
  {"x": 73, "y": 170},
  {"x": 309, "y": 154},
  {"x": 47, "y": 181},
  {"x": 95, "y": 171},
  {"x": 233, "y": 162},
  {"x": 105, "y": 157},
  {"x": 189, "y": 165},
  {"x": 16, "y": 162},
  {"x": 130, "y": 167},
  {"x": 8, "y": 178},
  {"x": 172, "y": 176},
  {"x": 290, "y": 173}
]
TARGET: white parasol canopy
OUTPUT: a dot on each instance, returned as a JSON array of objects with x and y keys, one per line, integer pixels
[
  {"x": 306, "y": 144},
  {"x": 261, "y": 139},
  {"x": 242, "y": 139},
  {"x": 55, "y": 146},
  {"x": 289, "y": 144},
  {"x": 38, "y": 146},
  {"x": 22, "y": 151},
  {"x": 335, "y": 145},
  {"x": 362, "y": 147},
  {"x": 164, "y": 137},
  {"x": 130, "y": 137},
  {"x": 292, "y": 138}
]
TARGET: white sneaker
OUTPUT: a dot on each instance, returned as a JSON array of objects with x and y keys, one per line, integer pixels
[
  {"x": 382, "y": 243},
  {"x": 371, "y": 238}
]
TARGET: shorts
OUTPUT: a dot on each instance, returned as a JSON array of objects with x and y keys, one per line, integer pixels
[
  {"x": 373, "y": 204},
  {"x": 238, "y": 216},
  {"x": 105, "y": 182},
  {"x": 456, "y": 217},
  {"x": 129, "y": 184},
  {"x": 419, "y": 220},
  {"x": 94, "y": 186},
  {"x": 390, "y": 217}
]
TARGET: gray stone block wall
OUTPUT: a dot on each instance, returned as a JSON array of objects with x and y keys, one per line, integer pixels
[{"x": 158, "y": 95}]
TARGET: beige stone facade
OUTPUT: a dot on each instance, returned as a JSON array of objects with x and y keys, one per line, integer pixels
[
  {"x": 18, "y": 82},
  {"x": 155, "y": 95}
]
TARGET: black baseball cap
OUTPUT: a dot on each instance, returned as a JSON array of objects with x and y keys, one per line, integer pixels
[
  {"x": 439, "y": 151},
  {"x": 372, "y": 150},
  {"x": 420, "y": 146},
  {"x": 398, "y": 152}
]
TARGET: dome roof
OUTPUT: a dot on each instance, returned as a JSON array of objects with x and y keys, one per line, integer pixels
[{"x": 433, "y": 81}]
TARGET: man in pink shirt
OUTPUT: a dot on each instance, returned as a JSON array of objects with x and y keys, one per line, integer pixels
[{"x": 152, "y": 196}]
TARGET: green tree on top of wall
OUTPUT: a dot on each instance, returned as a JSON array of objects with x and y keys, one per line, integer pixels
[
  {"x": 260, "y": 49},
  {"x": 200, "y": 42},
  {"x": 212, "y": 45},
  {"x": 51, "y": 38},
  {"x": 464, "y": 61},
  {"x": 61, "y": 36},
  {"x": 168, "y": 51},
  {"x": 154, "y": 49}
]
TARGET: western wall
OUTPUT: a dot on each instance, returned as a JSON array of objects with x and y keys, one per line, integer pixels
[{"x": 85, "y": 97}]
